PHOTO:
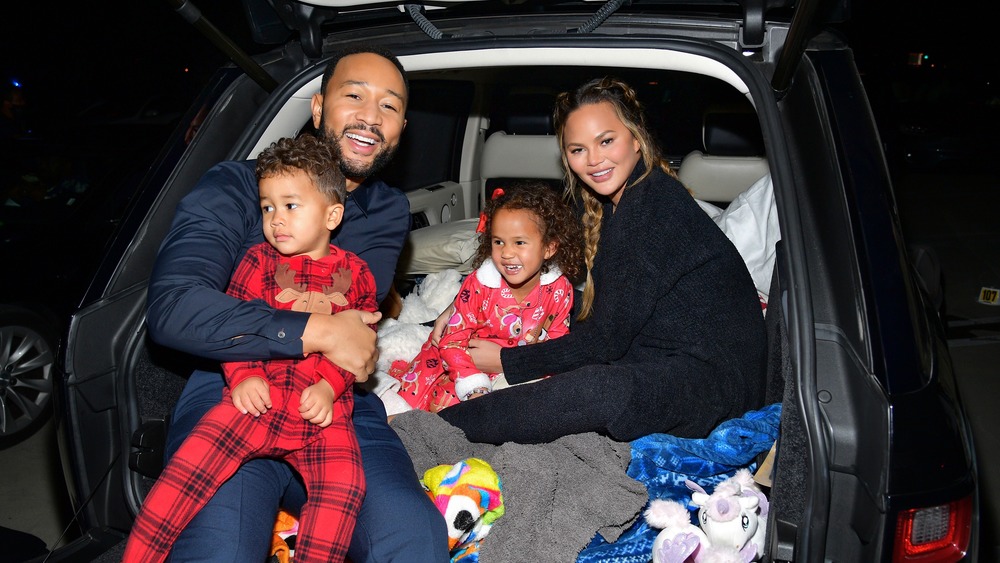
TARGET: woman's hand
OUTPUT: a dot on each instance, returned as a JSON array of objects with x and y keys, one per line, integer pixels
[
  {"x": 345, "y": 339},
  {"x": 252, "y": 396},
  {"x": 486, "y": 355},
  {"x": 441, "y": 323}
]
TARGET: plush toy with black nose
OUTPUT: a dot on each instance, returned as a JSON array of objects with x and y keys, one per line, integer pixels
[{"x": 468, "y": 495}]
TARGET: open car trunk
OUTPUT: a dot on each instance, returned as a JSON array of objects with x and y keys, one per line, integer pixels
[{"x": 833, "y": 494}]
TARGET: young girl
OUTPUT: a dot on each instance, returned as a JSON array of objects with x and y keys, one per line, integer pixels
[
  {"x": 529, "y": 243},
  {"x": 670, "y": 339}
]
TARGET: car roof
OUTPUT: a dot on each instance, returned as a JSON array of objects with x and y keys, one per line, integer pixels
[{"x": 272, "y": 21}]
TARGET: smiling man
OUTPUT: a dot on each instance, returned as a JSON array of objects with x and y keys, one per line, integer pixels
[{"x": 361, "y": 111}]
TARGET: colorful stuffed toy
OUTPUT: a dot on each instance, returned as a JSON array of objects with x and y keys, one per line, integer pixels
[
  {"x": 468, "y": 495},
  {"x": 730, "y": 529},
  {"x": 286, "y": 528},
  {"x": 679, "y": 541}
]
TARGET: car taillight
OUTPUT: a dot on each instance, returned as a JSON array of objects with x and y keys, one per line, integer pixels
[{"x": 935, "y": 534}]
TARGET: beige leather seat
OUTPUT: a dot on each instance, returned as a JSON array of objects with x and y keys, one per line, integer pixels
[
  {"x": 506, "y": 157},
  {"x": 731, "y": 161}
]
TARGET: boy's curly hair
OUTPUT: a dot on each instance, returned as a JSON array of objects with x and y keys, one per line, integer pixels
[
  {"x": 309, "y": 154},
  {"x": 556, "y": 221}
]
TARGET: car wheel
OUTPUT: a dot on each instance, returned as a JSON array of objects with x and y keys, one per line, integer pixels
[{"x": 27, "y": 371}]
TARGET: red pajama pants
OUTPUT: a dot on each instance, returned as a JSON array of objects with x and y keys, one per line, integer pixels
[{"x": 328, "y": 460}]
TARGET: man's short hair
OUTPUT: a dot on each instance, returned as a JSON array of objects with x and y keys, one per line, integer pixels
[{"x": 358, "y": 49}]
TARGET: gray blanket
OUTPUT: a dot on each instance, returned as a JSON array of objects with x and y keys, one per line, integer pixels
[{"x": 557, "y": 495}]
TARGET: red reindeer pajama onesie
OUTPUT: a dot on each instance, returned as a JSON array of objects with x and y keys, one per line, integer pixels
[
  {"x": 327, "y": 458},
  {"x": 485, "y": 308}
]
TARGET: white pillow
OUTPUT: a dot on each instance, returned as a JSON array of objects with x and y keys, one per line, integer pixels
[
  {"x": 440, "y": 247},
  {"x": 751, "y": 222},
  {"x": 713, "y": 210}
]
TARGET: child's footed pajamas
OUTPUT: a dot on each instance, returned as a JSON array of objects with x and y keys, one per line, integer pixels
[{"x": 327, "y": 458}]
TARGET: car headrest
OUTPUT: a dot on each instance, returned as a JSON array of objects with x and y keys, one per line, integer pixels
[
  {"x": 521, "y": 156},
  {"x": 732, "y": 134},
  {"x": 526, "y": 113},
  {"x": 732, "y": 161}
]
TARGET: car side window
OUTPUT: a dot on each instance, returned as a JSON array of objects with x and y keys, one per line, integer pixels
[{"x": 430, "y": 148}]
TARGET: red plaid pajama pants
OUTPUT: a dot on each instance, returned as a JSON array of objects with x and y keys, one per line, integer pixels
[{"x": 328, "y": 460}]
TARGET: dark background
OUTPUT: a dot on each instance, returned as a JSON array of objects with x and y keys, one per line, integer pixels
[{"x": 70, "y": 57}]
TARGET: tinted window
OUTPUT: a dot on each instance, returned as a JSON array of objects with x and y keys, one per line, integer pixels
[
  {"x": 430, "y": 146},
  {"x": 522, "y": 100}
]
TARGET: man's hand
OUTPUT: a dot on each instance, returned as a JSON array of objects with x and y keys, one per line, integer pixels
[
  {"x": 345, "y": 339},
  {"x": 252, "y": 396},
  {"x": 441, "y": 323},
  {"x": 316, "y": 404},
  {"x": 486, "y": 355}
]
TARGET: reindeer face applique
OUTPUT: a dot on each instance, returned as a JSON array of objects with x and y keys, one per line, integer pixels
[{"x": 312, "y": 301}]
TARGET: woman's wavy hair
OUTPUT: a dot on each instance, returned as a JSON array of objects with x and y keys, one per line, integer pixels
[
  {"x": 625, "y": 102},
  {"x": 555, "y": 220}
]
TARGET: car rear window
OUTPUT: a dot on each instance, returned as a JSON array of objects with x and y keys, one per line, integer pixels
[{"x": 519, "y": 100}]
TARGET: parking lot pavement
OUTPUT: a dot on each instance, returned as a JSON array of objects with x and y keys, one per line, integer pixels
[
  {"x": 979, "y": 382},
  {"x": 33, "y": 490},
  {"x": 957, "y": 216}
]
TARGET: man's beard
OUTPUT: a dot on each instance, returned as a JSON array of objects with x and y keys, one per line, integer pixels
[{"x": 352, "y": 168}]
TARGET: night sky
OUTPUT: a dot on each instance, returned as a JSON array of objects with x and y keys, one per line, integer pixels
[
  {"x": 69, "y": 56},
  {"x": 72, "y": 55},
  {"x": 951, "y": 33}
]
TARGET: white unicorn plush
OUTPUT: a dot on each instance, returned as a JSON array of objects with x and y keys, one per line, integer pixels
[{"x": 731, "y": 524}]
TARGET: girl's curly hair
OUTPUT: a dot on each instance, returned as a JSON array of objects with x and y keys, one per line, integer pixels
[{"x": 555, "y": 220}]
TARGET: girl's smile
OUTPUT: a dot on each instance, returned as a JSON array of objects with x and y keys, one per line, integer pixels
[{"x": 519, "y": 249}]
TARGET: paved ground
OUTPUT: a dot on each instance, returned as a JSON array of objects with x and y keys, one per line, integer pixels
[
  {"x": 957, "y": 216},
  {"x": 953, "y": 214},
  {"x": 33, "y": 496}
]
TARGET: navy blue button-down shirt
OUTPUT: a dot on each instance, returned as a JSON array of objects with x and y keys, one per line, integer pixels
[{"x": 215, "y": 224}]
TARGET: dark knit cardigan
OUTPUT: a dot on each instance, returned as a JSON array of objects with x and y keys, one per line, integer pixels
[{"x": 676, "y": 325}]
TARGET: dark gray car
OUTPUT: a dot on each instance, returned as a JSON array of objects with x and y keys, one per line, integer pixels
[{"x": 875, "y": 460}]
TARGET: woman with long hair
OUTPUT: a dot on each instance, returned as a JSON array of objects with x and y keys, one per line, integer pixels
[{"x": 670, "y": 335}]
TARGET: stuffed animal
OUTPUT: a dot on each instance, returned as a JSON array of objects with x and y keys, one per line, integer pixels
[
  {"x": 679, "y": 541},
  {"x": 286, "y": 528},
  {"x": 468, "y": 495},
  {"x": 400, "y": 339},
  {"x": 731, "y": 524},
  {"x": 735, "y": 514}
]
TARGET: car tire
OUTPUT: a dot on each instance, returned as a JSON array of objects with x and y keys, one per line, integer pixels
[{"x": 28, "y": 352}]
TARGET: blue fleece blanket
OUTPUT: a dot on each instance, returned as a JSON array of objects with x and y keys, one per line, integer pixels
[{"x": 663, "y": 462}]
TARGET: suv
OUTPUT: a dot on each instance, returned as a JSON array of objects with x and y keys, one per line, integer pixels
[{"x": 875, "y": 459}]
